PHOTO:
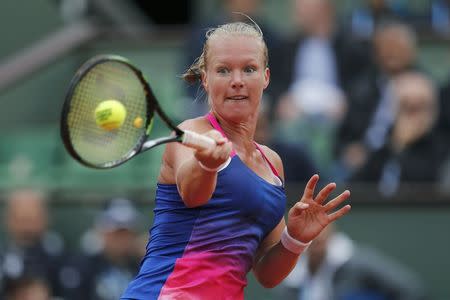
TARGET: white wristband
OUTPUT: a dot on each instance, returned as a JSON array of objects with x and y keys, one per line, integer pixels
[
  {"x": 213, "y": 170},
  {"x": 291, "y": 244}
]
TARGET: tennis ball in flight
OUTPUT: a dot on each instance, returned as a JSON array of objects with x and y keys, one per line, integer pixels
[
  {"x": 138, "y": 122},
  {"x": 110, "y": 114}
]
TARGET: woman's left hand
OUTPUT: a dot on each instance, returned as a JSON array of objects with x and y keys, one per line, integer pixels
[{"x": 310, "y": 215}]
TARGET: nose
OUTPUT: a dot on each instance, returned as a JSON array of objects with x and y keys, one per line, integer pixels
[{"x": 236, "y": 80}]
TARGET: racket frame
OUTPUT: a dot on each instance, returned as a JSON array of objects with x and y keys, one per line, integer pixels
[{"x": 152, "y": 106}]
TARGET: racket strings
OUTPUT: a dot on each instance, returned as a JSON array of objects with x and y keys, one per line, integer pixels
[{"x": 106, "y": 81}]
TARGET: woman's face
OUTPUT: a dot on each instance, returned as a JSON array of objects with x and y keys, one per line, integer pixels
[{"x": 235, "y": 76}]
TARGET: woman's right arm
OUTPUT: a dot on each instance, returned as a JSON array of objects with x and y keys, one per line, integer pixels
[{"x": 181, "y": 165}]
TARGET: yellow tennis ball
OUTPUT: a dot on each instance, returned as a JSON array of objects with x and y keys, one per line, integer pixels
[
  {"x": 110, "y": 114},
  {"x": 138, "y": 122}
]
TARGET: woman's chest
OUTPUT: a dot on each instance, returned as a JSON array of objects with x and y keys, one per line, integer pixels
[{"x": 240, "y": 190}]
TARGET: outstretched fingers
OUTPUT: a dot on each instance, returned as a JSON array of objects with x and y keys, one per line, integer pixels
[
  {"x": 335, "y": 203},
  {"x": 332, "y": 204},
  {"x": 325, "y": 192},
  {"x": 339, "y": 213},
  {"x": 310, "y": 187}
]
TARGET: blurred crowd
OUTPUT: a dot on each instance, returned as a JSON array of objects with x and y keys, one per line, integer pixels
[
  {"x": 337, "y": 267},
  {"x": 35, "y": 263},
  {"x": 348, "y": 97}
]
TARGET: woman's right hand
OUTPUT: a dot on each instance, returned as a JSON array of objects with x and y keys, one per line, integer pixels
[{"x": 214, "y": 157}]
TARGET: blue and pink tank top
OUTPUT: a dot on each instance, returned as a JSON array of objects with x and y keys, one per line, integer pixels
[{"x": 206, "y": 252}]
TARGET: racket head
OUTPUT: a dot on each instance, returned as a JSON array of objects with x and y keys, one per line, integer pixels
[{"x": 106, "y": 77}]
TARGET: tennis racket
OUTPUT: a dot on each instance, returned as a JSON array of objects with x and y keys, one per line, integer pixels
[{"x": 109, "y": 112}]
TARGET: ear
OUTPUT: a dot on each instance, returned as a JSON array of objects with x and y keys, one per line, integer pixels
[
  {"x": 266, "y": 77},
  {"x": 204, "y": 79}
]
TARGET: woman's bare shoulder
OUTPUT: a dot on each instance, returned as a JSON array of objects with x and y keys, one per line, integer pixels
[
  {"x": 175, "y": 151},
  {"x": 199, "y": 124}
]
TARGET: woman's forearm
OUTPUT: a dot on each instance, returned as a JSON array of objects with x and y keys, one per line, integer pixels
[
  {"x": 275, "y": 265},
  {"x": 195, "y": 184}
]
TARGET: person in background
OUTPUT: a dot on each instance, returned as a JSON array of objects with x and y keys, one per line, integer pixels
[
  {"x": 104, "y": 272},
  {"x": 301, "y": 164},
  {"x": 336, "y": 267},
  {"x": 27, "y": 288},
  {"x": 314, "y": 67},
  {"x": 371, "y": 109},
  {"x": 414, "y": 151},
  {"x": 30, "y": 249},
  {"x": 319, "y": 50}
]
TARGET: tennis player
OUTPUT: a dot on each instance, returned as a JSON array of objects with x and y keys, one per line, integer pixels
[{"x": 220, "y": 212}]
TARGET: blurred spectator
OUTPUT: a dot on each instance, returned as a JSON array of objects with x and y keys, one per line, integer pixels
[
  {"x": 413, "y": 152},
  {"x": 313, "y": 69},
  {"x": 232, "y": 10},
  {"x": 27, "y": 288},
  {"x": 319, "y": 50},
  {"x": 335, "y": 267},
  {"x": 104, "y": 274},
  {"x": 371, "y": 108},
  {"x": 310, "y": 115},
  {"x": 299, "y": 165},
  {"x": 30, "y": 249}
]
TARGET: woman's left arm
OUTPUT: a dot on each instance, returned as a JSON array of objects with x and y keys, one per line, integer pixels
[
  {"x": 273, "y": 262},
  {"x": 306, "y": 219}
]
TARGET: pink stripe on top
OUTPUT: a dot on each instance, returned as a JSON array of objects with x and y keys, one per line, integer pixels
[
  {"x": 275, "y": 172},
  {"x": 212, "y": 119}
]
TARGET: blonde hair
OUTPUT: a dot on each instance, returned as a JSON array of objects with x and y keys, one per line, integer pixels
[{"x": 193, "y": 73}]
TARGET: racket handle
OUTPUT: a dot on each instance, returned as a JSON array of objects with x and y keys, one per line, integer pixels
[{"x": 197, "y": 141}]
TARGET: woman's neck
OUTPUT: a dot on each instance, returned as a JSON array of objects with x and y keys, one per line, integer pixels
[{"x": 241, "y": 134}]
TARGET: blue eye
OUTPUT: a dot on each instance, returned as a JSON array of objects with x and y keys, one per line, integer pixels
[
  {"x": 249, "y": 69},
  {"x": 222, "y": 71}
]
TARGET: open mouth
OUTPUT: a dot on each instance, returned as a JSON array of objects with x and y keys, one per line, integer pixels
[{"x": 237, "y": 98}]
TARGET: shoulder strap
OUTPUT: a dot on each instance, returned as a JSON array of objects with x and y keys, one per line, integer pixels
[
  {"x": 212, "y": 119},
  {"x": 275, "y": 172}
]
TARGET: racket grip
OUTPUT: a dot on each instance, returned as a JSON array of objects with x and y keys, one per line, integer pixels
[{"x": 197, "y": 141}]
